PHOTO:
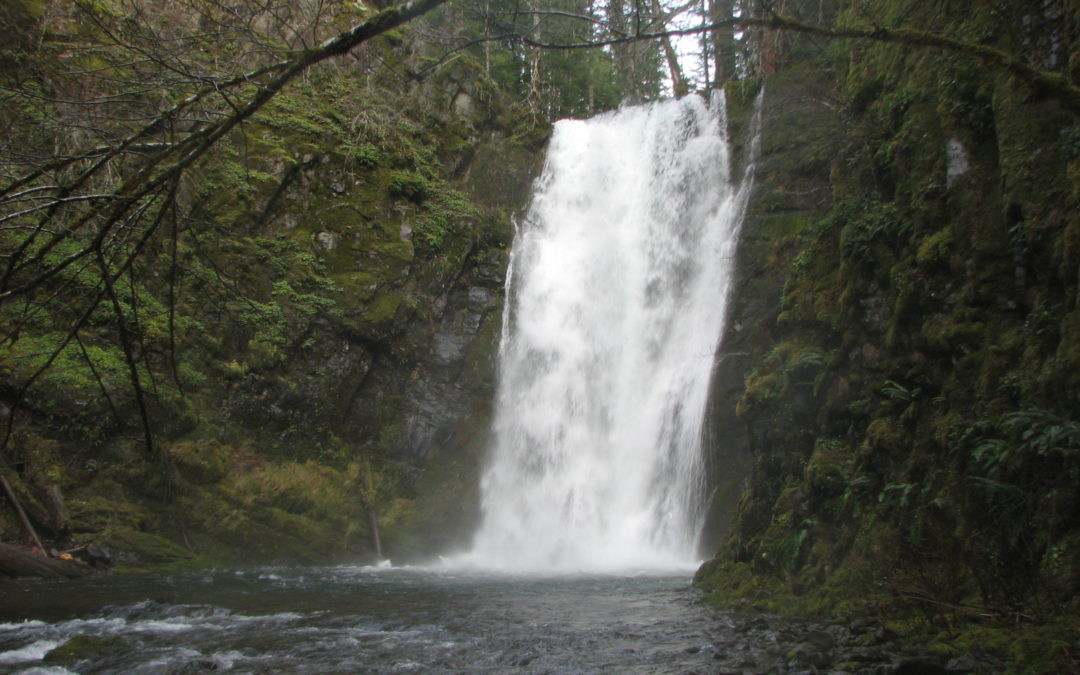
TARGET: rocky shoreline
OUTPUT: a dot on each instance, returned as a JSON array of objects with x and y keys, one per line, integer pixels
[{"x": 860, "y": 644}]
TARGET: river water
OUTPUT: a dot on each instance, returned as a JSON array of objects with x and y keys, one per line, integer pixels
[{"x": 372, "y": 620}]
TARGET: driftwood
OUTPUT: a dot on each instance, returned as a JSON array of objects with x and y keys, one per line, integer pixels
[{"x": 15, "y": 562}]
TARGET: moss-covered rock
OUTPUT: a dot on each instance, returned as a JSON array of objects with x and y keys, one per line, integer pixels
[{"x": 84, "y": 647}]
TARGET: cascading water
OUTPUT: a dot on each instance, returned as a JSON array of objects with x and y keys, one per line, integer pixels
[{"x": 617, "y": 292}]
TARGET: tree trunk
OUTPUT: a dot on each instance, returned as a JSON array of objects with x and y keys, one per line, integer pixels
[
  {"x": 58, "y": 518},
  {"x": 723, "y": 41},
  {"x": 678, "y": 84},
  {"x": 22, "y": 514},
  {"x": 625, "y": 54}
]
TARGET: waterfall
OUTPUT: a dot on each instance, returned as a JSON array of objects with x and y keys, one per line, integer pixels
[{"x": 617, "y": 292}]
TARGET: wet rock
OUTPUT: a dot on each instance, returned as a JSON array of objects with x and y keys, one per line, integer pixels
[
  {"x": 482, "y": 299},
  {"x": 958, "y": 161},
  {"x": 870, "y": 634},
  {"x": 963, "y": 664},
  {"x": 480, "y": 302},
  {"x": 96, "y": 556},
  {"x": 922, "y": 664},
  {"x": 449, "y": 349},
  {"x": 883, "y": 634},
  {"x": 465, "y": 107},
  {"x": 867, "y": 656},
  {"x": 84, "y": 647},
  {"x": 434, "y": 407},
  {"x": 769, "y": 636},
  {"x": 810, "y": 656},
  {"x": 865, "y": 640},
  {"x": 820, "y": 639},
  {"x": 199, "y": 665},
  {"x": 471, "y": 322},
  {"x": 839, "y": 633},
  {"x": 328, "y": 241},
  {"x": 490, "y": 269},
  {"x": 754, "y": 624}
]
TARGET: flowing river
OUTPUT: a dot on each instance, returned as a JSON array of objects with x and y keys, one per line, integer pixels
[{"x": 374, "y": 620}]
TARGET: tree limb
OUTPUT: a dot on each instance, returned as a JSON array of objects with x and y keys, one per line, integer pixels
[
  {"x": 1044, "y": 83},
  {"x": 190, "y": 149}
]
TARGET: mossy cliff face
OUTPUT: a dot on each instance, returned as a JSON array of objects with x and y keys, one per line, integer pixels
[
  {"x": 909, "y": 299},
  {"x": 334, "y": 326}
]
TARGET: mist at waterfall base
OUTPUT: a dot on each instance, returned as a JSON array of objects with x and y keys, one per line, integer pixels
[
  {"x": 593, "y": 496},
  {"x": 617, "y": 292}
]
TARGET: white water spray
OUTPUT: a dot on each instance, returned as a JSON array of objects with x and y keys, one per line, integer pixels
[{"x": 617, "y": 292}]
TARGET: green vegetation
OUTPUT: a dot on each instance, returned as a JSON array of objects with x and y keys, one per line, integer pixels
[
  {"x": 912, "y": 400},
  {"x": 268, "y": 310}
]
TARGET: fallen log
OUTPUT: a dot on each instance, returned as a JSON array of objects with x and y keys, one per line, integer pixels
[{"x": 15, "y": 562}]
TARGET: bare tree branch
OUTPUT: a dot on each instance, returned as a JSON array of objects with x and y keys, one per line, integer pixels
[{"x": 113, "y": 210}]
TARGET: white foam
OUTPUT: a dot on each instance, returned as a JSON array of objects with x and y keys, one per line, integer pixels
[
  {"x": 34, "y": 651},
  {"x": 21, "y": 625}
]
